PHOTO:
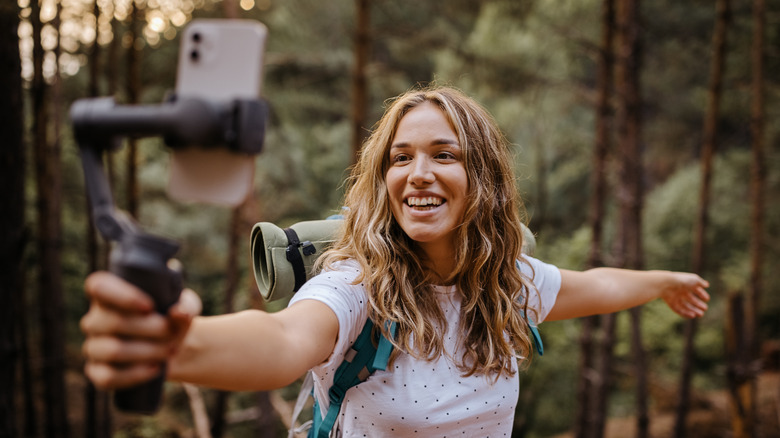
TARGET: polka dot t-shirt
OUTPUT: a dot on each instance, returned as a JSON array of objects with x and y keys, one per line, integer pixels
[{"x": 417, "y": 397}]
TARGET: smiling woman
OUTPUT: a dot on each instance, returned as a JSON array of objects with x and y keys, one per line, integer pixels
[
  {"x": 438, "y": 144},
  {"x": 431, "y": 245}
]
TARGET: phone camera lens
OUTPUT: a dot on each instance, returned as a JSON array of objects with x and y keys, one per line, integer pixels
[
  {"x": 194, "y": 55},
  {"x": 196, "y": 37}
]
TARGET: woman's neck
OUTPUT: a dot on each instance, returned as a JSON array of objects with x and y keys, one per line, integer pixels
[{"x": 440, "y": 261}]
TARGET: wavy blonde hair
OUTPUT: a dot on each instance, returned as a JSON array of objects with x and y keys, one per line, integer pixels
[{"x": 494, "y": 292}]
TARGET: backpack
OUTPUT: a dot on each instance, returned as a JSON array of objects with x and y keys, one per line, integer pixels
[{"x": 282, "y": 260}]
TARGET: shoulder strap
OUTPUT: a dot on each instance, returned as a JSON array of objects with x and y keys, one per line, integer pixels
[
  {"x": 362, "y": 360},
  {"x": 535, "y": 336}
]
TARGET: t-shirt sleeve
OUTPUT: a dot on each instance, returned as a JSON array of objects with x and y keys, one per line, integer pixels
[
  {"x": 346, "y": 300},
  {"x": 547, "y": 280}
]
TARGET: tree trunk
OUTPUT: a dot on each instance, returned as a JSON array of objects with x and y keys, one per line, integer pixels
[
  {"x": 112, "y": 83},
  {"x": 631, "y": 203},
  {"x": 94, "y": 56},
  {"x": 585, "y": 383},
  {"x": 12, "y": 238},
  {"x": 757, "y": 203},
  {"x": 628, "y": 124},
  {"x": 602, "y": 139},
  {"x": 133, "y": 95},
  {"x": 540, "y": 169},
  {"x": 737, "y": 368},
  {"x": 359, "y": 94},
  {"x": 630, "y": 189},
  {"x": 93, "y": 87},
  {"x": 585, "y": 386},
  {"x": 112, "y": 75},
  {"x": 97, "y": 417},
  {"x": 230, "y": 10},
  {"x": 603, "y": 376},
  {"x": 50, "y": 295},
  {"x": 30, "y": 417},
  {"x": 709, "y": 140},
  {"x": 235, "y": 230},
  {"x": 640, "y": 369},
  {"x": 268, "y": 421}
]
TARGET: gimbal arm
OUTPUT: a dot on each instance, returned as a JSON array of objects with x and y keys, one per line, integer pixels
[{"x": 238, "y": 124}]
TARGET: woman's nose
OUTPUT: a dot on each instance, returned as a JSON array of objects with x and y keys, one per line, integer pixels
[{"x": 421, "y": 171}]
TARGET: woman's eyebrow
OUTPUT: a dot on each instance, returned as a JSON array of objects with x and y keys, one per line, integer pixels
[
  {"x": 436, "y": 142},
  {"x": 449, "y": 141}
]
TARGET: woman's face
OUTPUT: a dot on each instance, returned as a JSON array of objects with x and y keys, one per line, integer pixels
[{"x": 426, "y": 178}]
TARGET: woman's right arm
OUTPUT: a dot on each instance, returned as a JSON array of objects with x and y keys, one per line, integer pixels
[{"x": 251, "y": 350}]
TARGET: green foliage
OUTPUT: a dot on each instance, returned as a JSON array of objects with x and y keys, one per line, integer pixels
[
  {"x": 547, "y": 388},
  {"x": 532, "y": 64},
  {"x": 671, "y": 210},
  {"x": 567, "y": 252},
  {"x": 146, "y": 427}
]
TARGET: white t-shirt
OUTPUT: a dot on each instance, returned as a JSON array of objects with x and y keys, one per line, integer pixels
[{"x": 417, "y": 397}]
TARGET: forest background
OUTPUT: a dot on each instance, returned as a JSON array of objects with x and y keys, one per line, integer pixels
[{"x": 644, "y": 137}]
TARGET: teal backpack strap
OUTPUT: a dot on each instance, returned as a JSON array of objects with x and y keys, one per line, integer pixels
[
  {"x": 535, "y": 336},
  {"x": 383, "y": 350},
  {"x": 360, "y": 362}
]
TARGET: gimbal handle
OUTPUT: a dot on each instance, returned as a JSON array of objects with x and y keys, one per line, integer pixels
[{"x": 143, "y": 259}]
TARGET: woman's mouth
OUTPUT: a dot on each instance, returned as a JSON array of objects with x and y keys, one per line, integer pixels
[{"x": 424, "y": 203}]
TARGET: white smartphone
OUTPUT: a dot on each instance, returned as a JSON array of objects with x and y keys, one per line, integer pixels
[{"x": 220, "y": 60}]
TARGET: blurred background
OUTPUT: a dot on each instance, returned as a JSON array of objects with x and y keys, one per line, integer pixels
[{"x": 644, "y": 136}]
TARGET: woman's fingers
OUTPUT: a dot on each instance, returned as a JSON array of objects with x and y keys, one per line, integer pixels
[
  {"x": 115, "y": 363},
  {"x": 181, "y": 315},
  {"x": 694, "y": 309},
  {"x": 110, "y": 376},
  {"x": 111, "y": 349},
  {"x": 127, "y": 341},
  {"x": 118, "y": 308},
  {"x": 188, "y": 306},
  {"x": 688, "y": 296},
  {"x": 698, "y": 296},
  {"x": 701, "y": 303},
  {"x": 109, "y": 290},
  {"x": 101, "y": 320},
  {"x": 701, "y": 292}
]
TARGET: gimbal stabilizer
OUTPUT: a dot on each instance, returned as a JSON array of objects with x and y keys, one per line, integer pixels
[{"x": 143, "y": 259}]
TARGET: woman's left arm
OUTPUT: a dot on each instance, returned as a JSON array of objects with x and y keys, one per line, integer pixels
[{"x": 607, "y": 290}]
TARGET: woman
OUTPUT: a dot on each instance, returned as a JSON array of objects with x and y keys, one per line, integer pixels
[{"x": 431, "y": 242}]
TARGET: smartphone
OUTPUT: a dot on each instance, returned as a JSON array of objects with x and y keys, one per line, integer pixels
[{"x": 219, "y": 60}]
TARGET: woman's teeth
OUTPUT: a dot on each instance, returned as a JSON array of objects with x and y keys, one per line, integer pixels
[{"x": 424, "y": 202}]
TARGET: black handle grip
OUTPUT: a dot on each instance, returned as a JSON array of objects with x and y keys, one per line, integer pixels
[{"x": 145, "y": 262}]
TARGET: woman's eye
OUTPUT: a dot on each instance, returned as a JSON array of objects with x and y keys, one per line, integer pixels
[{"x": 400, "y": 158}]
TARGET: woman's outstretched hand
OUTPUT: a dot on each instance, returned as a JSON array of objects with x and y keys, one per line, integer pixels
[
  {"x": 126, "y": 340},
  {"x": 686, "y": 294}
]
